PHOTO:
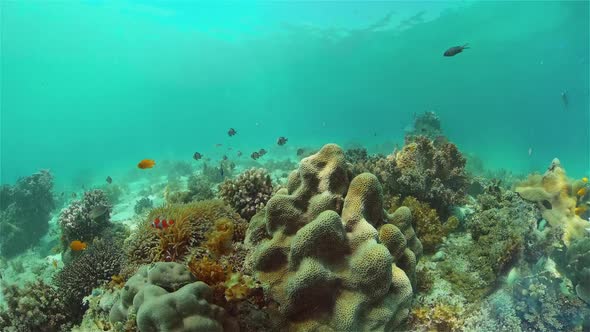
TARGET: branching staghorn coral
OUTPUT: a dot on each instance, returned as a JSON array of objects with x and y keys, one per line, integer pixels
[{"x": 248, "y": 193}]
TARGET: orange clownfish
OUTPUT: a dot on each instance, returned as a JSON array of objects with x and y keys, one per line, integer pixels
[
  {"x": 581, "y": 192},
  {"x": 146, "y": 163},
  {"x": 162, "y": 223},
  {"x": 77, "y": 245}
]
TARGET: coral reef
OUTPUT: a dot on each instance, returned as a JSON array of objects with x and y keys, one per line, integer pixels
[
  {"x": 35, "y": 307},
  {"x": 328, "y": 241},
  {"x": 199, "y": 188},
  {"x": 247, "y": 193},
  {"x": 113, "y": 192},
  {"x": 428, "y": 125},
  {"x": 85, "y": 219},
  {"x": 431, "y": 173},
  {"x": 355, "y": 155},
  {"x": 192, "y": 223},
  {"x": 555, "y": 196},
  {"x": 576, "y": 265},
  {"x": 166, "y": 297},
  {"x": 429, "y": 229},
  {"x": 24, "y": 212},
  {"x": 95, "y": 266},
  {"x": 143, "y": 204},
  {"x": 216, "y": 174}
]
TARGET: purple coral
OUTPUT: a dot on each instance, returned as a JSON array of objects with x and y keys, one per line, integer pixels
[
  {"x": 24, "y": 212},
  {"x": 80, "y": 220},
  {"x": 248, "y": 193}
]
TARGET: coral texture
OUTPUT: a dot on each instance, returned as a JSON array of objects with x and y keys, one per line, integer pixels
[
  {"x": 328, "y": 241},
  {"x": 555, "y": 196},
  {"x": 143, "y": 204},
  {"x": 35, "y": 307},
  {"x": 248, "y": 193},
  {"x": 426, "y": 124},
  {"x": 97, "y": 265},
  {"x": 431, "y": 173},
  {"x": 24, "y": 212},
  {"x": 166, "y": 298},
  {"x": 193, "y": 223},
  {"x": 577, "y": 267},
  {"x": 82, "y": 220}
]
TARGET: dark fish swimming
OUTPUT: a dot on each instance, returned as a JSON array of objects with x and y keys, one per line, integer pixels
[
  {"x": 255, "y": 155},
  {"x": 109, "y": 180},
  {"x": 547, "y": 204},
  {"x": 239, "y": 153},
  {"x": 262, "y": 152},
  {"x": 300, "y": 152},
  {"x": 564, "y": 99},
  {"x": 224, "y": 157},
  {"x": 455, "y": 50},
  {"x": 282, "y": 140},
  {"x": 231, "y": 132},
  {"x": 197, "y": 156}
]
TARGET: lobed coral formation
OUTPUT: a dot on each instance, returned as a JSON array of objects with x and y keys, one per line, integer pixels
[
  {"x": 24, "y": 212},
  {"x": 95, "y": 266},
  {"x": 199, "y": 189},
  {"x": 555, "y": 196},
  {"x": 85, "y": 219},
  {"x": 328, "y": 241},
  {"x": 35, "y": 307},
  {"x": 248, "y": 193},
  {"x": 165, "y": 297}
]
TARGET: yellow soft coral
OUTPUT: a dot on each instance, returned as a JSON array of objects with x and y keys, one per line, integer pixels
[
  {"x": 219, "y": 239},
  {"x": 557, "y": 200}
]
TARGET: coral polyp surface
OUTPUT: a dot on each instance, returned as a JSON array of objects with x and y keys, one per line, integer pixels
[
  {"x": 84, "y": 219},
  {"x": 248, "y": 193},
  {"x": 330, "y": 255},
  {"x": 165, "y": 297}
]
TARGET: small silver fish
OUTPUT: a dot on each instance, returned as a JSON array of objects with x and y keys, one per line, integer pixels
[{"x": 98, "y": 211}]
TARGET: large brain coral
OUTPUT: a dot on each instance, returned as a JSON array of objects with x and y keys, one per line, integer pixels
[
  {"x": 165, "y": 297},
  {"x": 331, "y": 256}
]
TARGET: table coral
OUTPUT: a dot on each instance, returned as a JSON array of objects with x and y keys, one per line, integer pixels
[
  {"x": 24, "y": 212},
  {"x": 165, "y": 297},
  {"x": 321, "y": 245},
  {"x": 248, "y": 193}
]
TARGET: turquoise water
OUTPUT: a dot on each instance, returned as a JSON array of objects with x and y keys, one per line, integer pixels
[{"x": 91, "y": 88}]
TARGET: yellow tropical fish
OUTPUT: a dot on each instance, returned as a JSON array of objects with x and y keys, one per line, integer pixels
[
  {"x": 581, "y": 192},
  {"x": 585, "y": 179}
]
